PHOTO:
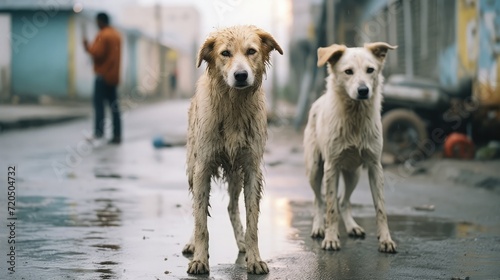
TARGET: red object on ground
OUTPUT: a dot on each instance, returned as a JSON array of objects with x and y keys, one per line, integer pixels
[{"x": 458, "y": 145}]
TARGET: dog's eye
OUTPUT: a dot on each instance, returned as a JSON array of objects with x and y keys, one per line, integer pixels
[
  {"x": 370, "y": 70},
  {"x": 225, "y": 53},
  {"x": 349, "y": 72},
  {"x": 251, "y": 51}
]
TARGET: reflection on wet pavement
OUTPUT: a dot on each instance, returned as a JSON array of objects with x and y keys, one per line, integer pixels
[
  {"x": 96, "y": 238},
  {"x": 66, "y": 240},
  {"x": 124, "y": 222}
]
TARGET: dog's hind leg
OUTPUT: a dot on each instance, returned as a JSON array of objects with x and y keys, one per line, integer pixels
[
  {"x": 189, "y": 247},
  {"x": 253, "y": 192},
  {"x": 331, "y": 182},
  {"x": 235, "y": 183},
  {"x": 376, "y": 176},
  {"x": 351, "y": 179},
  {"x": 315, "y": 177},
  {"x": 201, "y": 195}
]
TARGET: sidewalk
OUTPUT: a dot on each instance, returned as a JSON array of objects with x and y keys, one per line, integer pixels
[{"x": 23, "y": 116}]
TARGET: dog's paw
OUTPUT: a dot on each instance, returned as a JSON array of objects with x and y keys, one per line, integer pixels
[
  {"x": 188, "y": 249},
  {"x": 387, "y": 246},
  {"x": 357, "y": 232},
  {"x": 332, "y": 245},
  {"x": 318, "y": 232},
  {"x": 197, "y": 267},
  {"x": 258, "y": 267}
]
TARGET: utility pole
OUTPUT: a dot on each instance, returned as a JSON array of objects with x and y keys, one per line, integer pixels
[
  {"x": 330, "y": 21},
  {"x": 274, "y": 73},
  {"x": 408, "y": 37},
  {"x": 159, "y": 36}
]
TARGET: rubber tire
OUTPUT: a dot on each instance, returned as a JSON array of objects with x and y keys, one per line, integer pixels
[{"x": 408, "y": 116}]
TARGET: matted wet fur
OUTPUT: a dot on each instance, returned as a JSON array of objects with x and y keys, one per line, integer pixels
[
  {"x": 344, "y": 133},
  {"x": 228, "y": 131}
]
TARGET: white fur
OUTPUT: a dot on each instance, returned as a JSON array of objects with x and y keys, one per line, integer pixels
[{"x": 343, "y": 134}]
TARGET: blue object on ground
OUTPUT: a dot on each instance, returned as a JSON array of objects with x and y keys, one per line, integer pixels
[{"x": 159, "y": 142}]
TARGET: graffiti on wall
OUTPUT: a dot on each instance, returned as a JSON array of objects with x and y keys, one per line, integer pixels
[
  {"x": 478, "y": 41},
  {"x": 489, "y": 51}
]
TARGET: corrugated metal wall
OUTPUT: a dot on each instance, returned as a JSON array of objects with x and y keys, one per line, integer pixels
[{"x": 39, "y": 54}]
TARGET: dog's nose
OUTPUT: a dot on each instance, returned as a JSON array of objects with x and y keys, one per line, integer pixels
[
  {"x": 363, "y": 91},
  {"x": 241, "y": 76}
]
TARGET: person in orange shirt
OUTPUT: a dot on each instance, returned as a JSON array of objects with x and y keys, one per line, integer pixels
[{"x": 106, "y": 54}]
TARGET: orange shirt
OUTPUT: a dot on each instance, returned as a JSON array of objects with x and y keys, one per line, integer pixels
[{"x": 105, "y": 52}]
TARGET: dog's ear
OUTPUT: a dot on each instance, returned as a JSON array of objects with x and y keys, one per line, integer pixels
[
  {"x": 268, "y": 42},
  {"x": 330, "y": 54},
  {"x": 205, "y": 52},
  {"x": 379, "y": 49}
]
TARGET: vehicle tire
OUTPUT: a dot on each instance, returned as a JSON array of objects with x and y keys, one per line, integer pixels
[{"x": 404, "y": 132}]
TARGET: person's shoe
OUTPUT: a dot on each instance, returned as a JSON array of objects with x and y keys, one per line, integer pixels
[
  {"x": 95, "y": 141},
  {"x": 115, "y": 141}
]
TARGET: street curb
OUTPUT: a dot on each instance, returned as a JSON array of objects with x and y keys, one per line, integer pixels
[{"x": 37, "y": 121}]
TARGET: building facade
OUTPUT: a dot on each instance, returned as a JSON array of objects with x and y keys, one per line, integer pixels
[{"x": 41, "y": 55}]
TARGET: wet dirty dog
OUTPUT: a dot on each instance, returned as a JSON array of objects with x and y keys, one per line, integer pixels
[
  {"x": 226, "y": 136},
  {"x": 344, "y": 133}
]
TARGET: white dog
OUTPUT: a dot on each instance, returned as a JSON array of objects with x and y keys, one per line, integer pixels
[
  {"x": 228, "y": 131},
  {"x": 344, "y": 133}
]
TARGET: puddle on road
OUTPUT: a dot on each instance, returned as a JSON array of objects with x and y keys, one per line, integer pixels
[
  {"x": 103, "y": 237},
  {"x": 424, "y": 227},
  {"x": 427, "y": 246},
  {"x": 64, "y": 237}
]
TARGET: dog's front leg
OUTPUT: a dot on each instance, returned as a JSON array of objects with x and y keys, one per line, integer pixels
[
  {"x": 376, "y": 176},
  {"x": 201, "y": 194},
  {"x": 235, "y": 182},
  {"x": 331, "y": 181},
  {"x": 252, "y": 192}
]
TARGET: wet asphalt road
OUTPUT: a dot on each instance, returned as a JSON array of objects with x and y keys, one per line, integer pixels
[{"x": 124, "y": 212}]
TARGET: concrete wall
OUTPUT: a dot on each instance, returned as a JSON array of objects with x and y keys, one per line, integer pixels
[
  {"x": 82, "y": 68},
  {"x": 179, "y": 27}
]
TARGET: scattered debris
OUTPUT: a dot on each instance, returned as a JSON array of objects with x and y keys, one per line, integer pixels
[
  {"x": 275, "y": 163},
  {"x": 489, "y": 183},
  {"x": 489, "y": 152},
  {"x": 458, "y": 145},
  {"x": 163, "y": 142},
  {"x": 178, "y": 206},
  {"x": 167, "y": 272},
  {"x": 108, "y": 175},
  {"x": 165, "y": 259},
  {"x": 424, "y": 207}
]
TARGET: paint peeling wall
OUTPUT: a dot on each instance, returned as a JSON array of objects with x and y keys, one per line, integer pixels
[{"x": 479, "y": 46}]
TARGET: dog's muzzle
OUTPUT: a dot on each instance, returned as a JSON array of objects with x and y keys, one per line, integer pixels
[
  {"x": 241, "y": 79},
  {"x": 363, "y": 92}
]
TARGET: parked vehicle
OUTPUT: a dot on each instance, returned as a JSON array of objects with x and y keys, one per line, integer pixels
[{"x": 415, "y": 108}]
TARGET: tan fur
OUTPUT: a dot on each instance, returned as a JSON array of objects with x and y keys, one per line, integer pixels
[
  {"x": 227, "y": 131},
  {"x": 344, "y": 133}
]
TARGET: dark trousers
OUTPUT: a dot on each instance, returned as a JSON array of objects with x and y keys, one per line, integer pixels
[{"x": 105, "y": 92}]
